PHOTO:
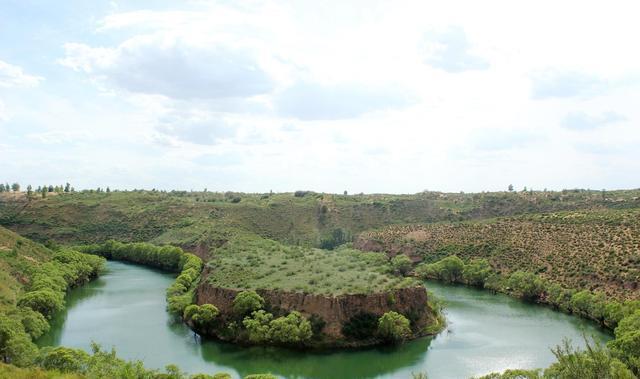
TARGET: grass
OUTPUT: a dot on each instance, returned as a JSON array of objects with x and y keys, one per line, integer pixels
[{"x": 254, "y": 263}]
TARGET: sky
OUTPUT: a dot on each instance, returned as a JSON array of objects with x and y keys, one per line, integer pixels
[{"x": 364, "y": 96}]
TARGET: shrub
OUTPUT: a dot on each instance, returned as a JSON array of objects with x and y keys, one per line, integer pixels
[
  {"x": 526, "y": 285},
  {"x": 476, "y": 272},
  {"x": 393, "y": 327},
  {"x": 401, "y": 264},
  {"x": 246, "y": 302},
  {"x": 292, "y": 329},
  {"x": 46, "y": 302},
  {"x": 361, "y": 326},
  {"x": 448, "y": 269},
  {"x": 64, "y": 359},
  {"x": 201, "y": 317},
  {"x": 34, "y": 323}
]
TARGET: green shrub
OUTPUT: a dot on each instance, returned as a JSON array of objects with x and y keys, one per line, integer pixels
[
  {"x": 393, "y": 327},
  {"x": 361, "y": 326},
  {"x": 526, "y": 285},
  {"x": 401, "y": 264},
  {"x": 246, "y": 302},
  {"x": 34, "y": 323},
  {"x": 46, "y": 302},
  {"x": 476, "y": 272},
  {"x": 201, "y": 317}
]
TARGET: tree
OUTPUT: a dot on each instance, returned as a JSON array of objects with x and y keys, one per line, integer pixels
[
  {"x": 201, "y": 317},
  {"x": 448, "y": 269},
  {"x": 510, "y": 187},
  {"x": 247, "y": 302},
  {"x": 15, "y": 187},
  {"x": 527, "y": 285},
  {"x": 44, "y": 301},
  {"x": 292, "y": 329},
  {"x": 44, "y": 191},
  {"x": 401, "y": 264},
  {"x": 1, "y": 187},
  {"x": 476, "y": 272},
  {"x": 67, "y": 187},
  {"x": 258, "y": 326},
  {"x": 393, "y": 327},
  {"x": 34, "y": 323},
  {"x": 345, "y": 192},
  {"x": 50, "y": 188},
  {"x": 29, "y": 191}
]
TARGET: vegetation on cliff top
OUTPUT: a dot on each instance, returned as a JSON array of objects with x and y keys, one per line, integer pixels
[{"x": 254, "y": 263}]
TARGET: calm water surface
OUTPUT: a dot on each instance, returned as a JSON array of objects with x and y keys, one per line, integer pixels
[{"x": 125, "y": 308}]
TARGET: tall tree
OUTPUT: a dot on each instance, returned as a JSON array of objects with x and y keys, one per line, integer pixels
[
  {"x": 15, "y": 187},
  {"x": 67, "y": 187}
]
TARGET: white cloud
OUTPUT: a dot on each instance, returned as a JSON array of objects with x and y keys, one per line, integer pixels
[
  {"x": 563, "y": 84},
  {"x": 174, "y": 67},
  {"x": 14, "y": 76},
  {"x": 450, "y": 51},
  {"x": 584, "y": 121},
  {"x": 313, "y": 101}
]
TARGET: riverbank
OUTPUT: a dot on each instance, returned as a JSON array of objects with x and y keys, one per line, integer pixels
[{"x": 483, "y": 330}]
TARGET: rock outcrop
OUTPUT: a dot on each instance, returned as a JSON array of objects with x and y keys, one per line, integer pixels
[{"x": 335, "y": 311}]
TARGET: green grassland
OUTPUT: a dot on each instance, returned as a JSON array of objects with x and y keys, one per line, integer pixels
[{"x": 254, "y": 263}]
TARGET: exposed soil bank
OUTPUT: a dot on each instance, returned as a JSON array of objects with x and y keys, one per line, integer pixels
[{"x": 335, "y": 311}]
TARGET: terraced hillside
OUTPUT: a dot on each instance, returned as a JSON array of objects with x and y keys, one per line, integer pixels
[{"x": 596, "y": 250}]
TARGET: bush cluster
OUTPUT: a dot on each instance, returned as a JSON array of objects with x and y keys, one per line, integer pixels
[
  {"x": 292, "y": 329},
  {"x": 45, "y": 296}
]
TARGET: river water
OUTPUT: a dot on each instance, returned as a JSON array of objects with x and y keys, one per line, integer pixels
[{"x": 125, "y": 309}]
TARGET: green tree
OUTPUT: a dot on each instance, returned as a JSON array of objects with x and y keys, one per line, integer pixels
[
  {"x": 401, "y": 264},
  {"x": 292, "y": 329},
  {"x": 258, "y": 326},
  {"x": 34, "y": 323},
  {"x": 67, "y": 187},
  {"x": 476, "y": 272},
  {"x": 594, "y": 362},
  {"x": 45, "y": 301},
  {"x": 393, "y": 327},
  {"x": 29, "y": 191},
  {"x": 246, "y": 302},
  {"x": 15, "y": 187},
  {"x": 201, "y": 317},
  {"x": 2, "y": 187},
  {"x": 526, "y": 285}
]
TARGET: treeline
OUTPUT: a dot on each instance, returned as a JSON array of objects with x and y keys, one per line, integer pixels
[
  {"x": 28, "y": 320},
  {"x": 55, "y": 362},
  {"x": 168, "y": 258},
  {"x": 622, "y": 317}
]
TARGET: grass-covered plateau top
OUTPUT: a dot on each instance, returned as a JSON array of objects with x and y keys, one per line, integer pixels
[{"x": 249, "y": 263}]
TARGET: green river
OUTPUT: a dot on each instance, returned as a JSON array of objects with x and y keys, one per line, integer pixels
[{"x": 125, "y": 309}]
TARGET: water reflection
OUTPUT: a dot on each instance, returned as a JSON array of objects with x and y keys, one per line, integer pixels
[{"x": 125, "y": 308}]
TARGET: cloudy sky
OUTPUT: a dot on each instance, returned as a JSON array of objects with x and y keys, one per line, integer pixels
[{"x": 367, "y": 96}]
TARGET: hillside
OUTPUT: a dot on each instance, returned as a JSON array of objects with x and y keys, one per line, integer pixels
[
  {"x": 18, "y": 258},
  {"x": 191, "y": 219},
  {"x": 596, "y": 250}
]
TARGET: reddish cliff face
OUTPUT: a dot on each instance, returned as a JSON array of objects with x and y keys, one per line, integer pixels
[{"x": 334, "y": 310}]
